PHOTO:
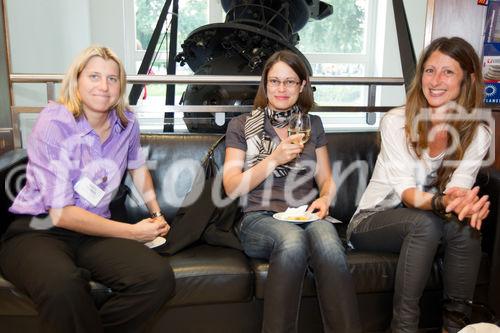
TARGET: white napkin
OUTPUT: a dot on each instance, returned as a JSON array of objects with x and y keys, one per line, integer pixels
[
  {"x": 297, "y": 211},
  {"x": 156, "y": 242},
  {"x": 301, "y": 211}
]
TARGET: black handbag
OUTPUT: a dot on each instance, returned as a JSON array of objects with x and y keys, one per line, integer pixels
[{"x": 203, "y": 219}]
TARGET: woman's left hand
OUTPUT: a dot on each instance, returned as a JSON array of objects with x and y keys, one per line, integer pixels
[
  {"x": 467, "y": 204},
  {"x": 476, "y": 219},
  {"x": 321, "y": 206},
  {"x": 461, "y": 201}
]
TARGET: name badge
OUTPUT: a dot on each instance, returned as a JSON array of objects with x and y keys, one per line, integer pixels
[{"x": 89, "y": 191}]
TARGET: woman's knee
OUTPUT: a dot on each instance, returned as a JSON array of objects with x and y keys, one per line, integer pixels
[
  {"x": 292, "y": 241},
  {"x": 427, "y": 225},
  {"x": 292, "y": 246},
  {"x": 324, "y": 238},
  {"x": 461, "y": 232},
  {"x": 161, "y": 278},
  {"x": 323, "y": 233},
  {"x": 326, "y": 247},
  {"x": 59, "y": 289}
]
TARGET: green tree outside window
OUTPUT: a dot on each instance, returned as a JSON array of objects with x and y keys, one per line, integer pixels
[{"x": 341, "y": 32}]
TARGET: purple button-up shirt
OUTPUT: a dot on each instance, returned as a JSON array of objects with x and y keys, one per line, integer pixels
[{"x": 62, "y": 150}]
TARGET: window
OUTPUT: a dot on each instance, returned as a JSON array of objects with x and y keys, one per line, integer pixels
[
  {"x": 337, "y": 46},
  {"x": 194, "y": 13},
  {"x": 342, "y": 44}
]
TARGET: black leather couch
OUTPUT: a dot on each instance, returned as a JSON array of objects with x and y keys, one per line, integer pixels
[{"x": 219, "y": 289}]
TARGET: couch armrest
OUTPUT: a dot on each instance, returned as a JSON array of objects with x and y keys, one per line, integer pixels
[
  {"x": 489, "y": 181},
  {"x": 12, "y": 158},
  {"x": 12, "y": 177}
]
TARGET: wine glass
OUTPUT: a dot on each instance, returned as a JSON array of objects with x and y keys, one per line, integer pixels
[{"x": 300, "y": 123}]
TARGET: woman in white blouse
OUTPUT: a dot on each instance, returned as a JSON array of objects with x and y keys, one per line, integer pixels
[{"x": 421, "y": 194}]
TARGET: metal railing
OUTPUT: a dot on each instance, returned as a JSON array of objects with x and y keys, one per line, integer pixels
[
  {"x": 50, "y": 81},
  {"x": 372, "y": 82}
]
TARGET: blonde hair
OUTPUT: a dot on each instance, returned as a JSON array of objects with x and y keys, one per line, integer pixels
[
  {"x": 470, "y": 98},
  {"x": 69, "y": 90}
]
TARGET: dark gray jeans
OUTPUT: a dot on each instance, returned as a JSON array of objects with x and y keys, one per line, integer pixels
[{"x": 416, "y": 235}]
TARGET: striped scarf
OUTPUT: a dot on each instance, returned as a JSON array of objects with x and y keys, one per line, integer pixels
[{"x": 259, "y": 143}]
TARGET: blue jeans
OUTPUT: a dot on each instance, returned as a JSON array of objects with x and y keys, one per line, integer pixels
[
  {"x": 416, "y": 235},
  {"x": 290, "y": 249}
]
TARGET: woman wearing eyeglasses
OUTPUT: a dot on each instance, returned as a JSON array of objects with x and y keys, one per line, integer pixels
[{"x": 259, "y": 169}]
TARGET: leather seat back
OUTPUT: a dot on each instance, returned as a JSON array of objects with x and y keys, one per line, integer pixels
[{"x": 172, "y": 159}]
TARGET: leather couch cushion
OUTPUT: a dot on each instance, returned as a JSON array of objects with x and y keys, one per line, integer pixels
[
  {"x": 372, "y": 273},
  {"x": 15, "y": 303},
  {"x": 204, "y": 275},
  {"x": 209, "y": 274},
  {"x": 352, "y": 156}
]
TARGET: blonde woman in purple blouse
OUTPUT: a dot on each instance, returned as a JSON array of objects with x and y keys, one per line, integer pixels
[{"x": 63, "y": 236}]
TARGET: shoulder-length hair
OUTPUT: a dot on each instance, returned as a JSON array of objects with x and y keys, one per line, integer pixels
[
  {"x": 69, "y": 90},
  {"x": 469, "y": 99},
  {"x": 306, "y": 98}
]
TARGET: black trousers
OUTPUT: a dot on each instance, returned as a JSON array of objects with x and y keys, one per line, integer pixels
[
  {"x": 53, "y": 267},
  {"x": 416, "y": 235}
]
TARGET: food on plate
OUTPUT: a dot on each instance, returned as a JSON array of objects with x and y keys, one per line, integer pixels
[{"x": 299, "y": 218}]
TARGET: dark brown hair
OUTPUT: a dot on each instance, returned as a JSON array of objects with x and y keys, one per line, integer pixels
[{"x": 306, "y": 98}]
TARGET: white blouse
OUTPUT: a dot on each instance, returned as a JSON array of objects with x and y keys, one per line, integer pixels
[{"x": 398, "y": 168}]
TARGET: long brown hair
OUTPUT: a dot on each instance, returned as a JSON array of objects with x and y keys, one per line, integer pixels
[
  {"x": 470, "y": 99},
  {"x": 69, "y": 89},
  {"x": 306, "y": 98}
]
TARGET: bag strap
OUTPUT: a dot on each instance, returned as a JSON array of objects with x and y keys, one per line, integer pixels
[{"x": 210, "y": 152}]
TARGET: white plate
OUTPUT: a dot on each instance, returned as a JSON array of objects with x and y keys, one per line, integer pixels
[
  {"x": 294, "y": 218},
  {"x": 156, "y": 242}
]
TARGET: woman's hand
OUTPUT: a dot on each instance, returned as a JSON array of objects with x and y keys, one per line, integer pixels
[
  {"x": 148, "y": 229},
  {"x": 163, "y": 220},
  {"x": 288, "y": 149},
  {"x": 321, "y": 206},
  {"x": 466, "y": 203},
  {"x": 460, "y": 200},
  {"x": 476, "y": 219}
]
